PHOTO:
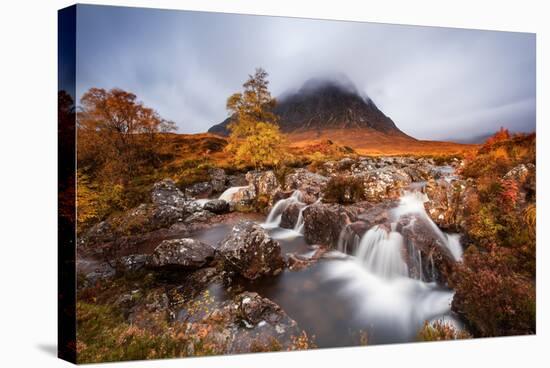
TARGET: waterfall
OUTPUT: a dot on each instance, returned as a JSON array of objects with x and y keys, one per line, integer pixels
[
  {"x": 380, "y": 252},
  {"x": 348, "y": 240},
  {"x": 386, "y": 296},
  {"x": 274, "y": 218},
  {"x": 432, "y": 267},
  {"x": 453, "y": 244},
  {"x": 299, "y": 227},
  {"x": 413, "y": 203},
  {"x": 229, "y": 193}
]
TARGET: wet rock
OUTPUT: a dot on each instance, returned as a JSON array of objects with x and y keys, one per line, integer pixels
[
  {"x": 166, "y": 192},
  {"x": 238, "y": 180},
  {"x": 310, "y": 184},
  {"x": 133, "y": 262},
  {"x": 194, "y": 283},
  {"x": 217, "y": 206},
  {"x": 244, "y": 324},
  {"x": 181, "y": 254},
  {"x": 99, "y": 233},
  {"x": 446, "y": 202},
  {"x": 156, "y": 217},
  {"x": 518, "y": 173},
  {"x": 289, "y": 217},
  {"x": 384, "y": 183},
  {"x": 378, "y": 214},
  {"x": 253, "y": 309},
  {"x": 298, "y": 262},
  {"x": 265, "y": 184},
  {"x": 249, "y": 251},
  {"x": 350, "y": 236},
  {"x": 169, "y": 207},
  {"x": 428, "y": 257},
  {"x": 243, "y": 199},
  {"x": 91, "y": 275},
  {"x": 324, "y": 222},
  {"x": 259, "y": 322},
  {"x": 419, "y": 172},
  {"x": 217, "y": 179},
  {"x": 199, "y": 190}
]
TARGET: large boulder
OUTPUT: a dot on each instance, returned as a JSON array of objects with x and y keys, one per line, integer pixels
[
  {"x": 447, "y": 202},
  {"x": 183, "y": 253},
  {"x": 132, "y": 262},
  {"x": 324, "y": 222},
  {"x": 428, "y": 254},
  {"x": 526, "y": 178},
  {"x": 290, "y": 215},
  {"x": 379, "y": 214},
  {"x": 310, "y": 184},
  {"x": 169, "y": 207},
  {"x": 244, "y": 324},
  {"x": 265, "y": 184},
  {"x": 165, "y": 192},
  {"x": 384, "y": 183},
  {"x": 249, "y": 251},
  {"x": 243, "y": 199},
  {"x": 201, "y": 189},
  {"x": 259, "y": 323},
  {"x": 217, "y": 179}
]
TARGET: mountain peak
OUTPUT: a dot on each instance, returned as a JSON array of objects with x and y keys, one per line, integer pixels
[{"x": 329, "y": 102}]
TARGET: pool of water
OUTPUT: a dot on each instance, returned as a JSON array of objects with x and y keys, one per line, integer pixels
[{"x": 338, "y": 300}]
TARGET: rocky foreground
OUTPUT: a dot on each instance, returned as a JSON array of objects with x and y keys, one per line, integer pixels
[{"x": 147, "y": 264}]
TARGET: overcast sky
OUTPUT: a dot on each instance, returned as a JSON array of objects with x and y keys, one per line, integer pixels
[{"x": 435, "y": 83}]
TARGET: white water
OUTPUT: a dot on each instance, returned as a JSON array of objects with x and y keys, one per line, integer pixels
[
  {"x": 229, "y": 193},
  {"x": 413, "y": 203},
  {"x": 299, "y": 227},
  {"x": 378, "y": 280},
  {"x": 380, "y": 252},
  {"x": 399, "y": 304},
  {"x": 275, "y": 215},
  {"x": 454, "y": 246}
]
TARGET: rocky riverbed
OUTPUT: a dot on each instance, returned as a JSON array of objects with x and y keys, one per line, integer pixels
[{"x": 264, "y": 262}]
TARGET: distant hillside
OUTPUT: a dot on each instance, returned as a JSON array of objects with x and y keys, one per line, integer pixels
[{"x": 325, "y": 104}]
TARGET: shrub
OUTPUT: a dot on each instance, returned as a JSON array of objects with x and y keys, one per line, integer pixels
[
  {"x": 344, "y": 189},
  {"x": 494, "y": 298},
  {"x": 94, "y": 202},
  {"x": 302, "y": 342},
  {"x": 104, "y": 336},
  {"x": 440, "y": 330}
]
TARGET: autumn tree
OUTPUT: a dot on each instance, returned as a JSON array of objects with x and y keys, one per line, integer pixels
[
  {"x": 254, "y": 134},
  {"x": 117, "y": 134}
]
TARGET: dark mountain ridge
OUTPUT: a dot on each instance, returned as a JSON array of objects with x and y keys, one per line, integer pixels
[{"x": 322, "y": 104}]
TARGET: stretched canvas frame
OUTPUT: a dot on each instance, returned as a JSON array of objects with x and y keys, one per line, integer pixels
[{"x": 228, "y": 239}]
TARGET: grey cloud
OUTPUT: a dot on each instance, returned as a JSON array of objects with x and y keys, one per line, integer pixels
[{"x": 435, "y": 83}]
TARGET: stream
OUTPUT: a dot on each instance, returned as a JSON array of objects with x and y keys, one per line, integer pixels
[{"x": 344, "y": 295}]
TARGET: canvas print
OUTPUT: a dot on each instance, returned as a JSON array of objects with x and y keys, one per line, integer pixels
[{"x": 239, "y": 184}]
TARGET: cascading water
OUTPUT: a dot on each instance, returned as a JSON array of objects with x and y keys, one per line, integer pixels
[
  {"x": 386, "y": 297},
  {"x": 275, "y": 215},
  {"x": 454, "y": 246},
  {"x": 299, "y": 227},
  {"x": 413, "y": 203},
  {"x": 381, "y": 253}
]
